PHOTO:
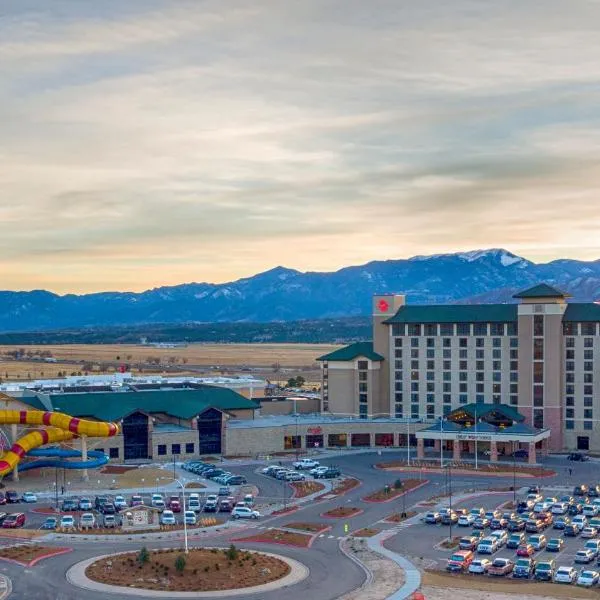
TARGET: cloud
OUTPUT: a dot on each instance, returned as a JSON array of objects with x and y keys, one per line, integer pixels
[{"x": 158, "y": 142}]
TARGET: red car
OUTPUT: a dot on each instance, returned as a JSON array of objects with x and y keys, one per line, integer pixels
[
  {"x": 525, "y": 550},
  {"x": 175, "y": 506},
  {"x": 13, "y": 521}
]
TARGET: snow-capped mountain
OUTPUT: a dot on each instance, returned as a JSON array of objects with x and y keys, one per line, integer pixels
[{"x": 282, "y": 294}]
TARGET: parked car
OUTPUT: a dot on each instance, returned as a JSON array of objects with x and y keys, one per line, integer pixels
[
  {"x": 594, "y": 546},
  {"x": 481, "y": 523},
  {"x": 237, "y": 480},
  {"x": 331, "y": 473},
  {"x": 243, "y": 512},
  {"x": 589, "y": 532},
  {"x": 584, "y": 556},
  {"x": 561, "y": 523},
  {"x": 524, "y": 568},
  {"x": 459, "y": 561},
  {"x": 249, "y": 500},
  {"x": 515, "y": 540},
  {"x": 87, "y": 521},
  {"x": 467, "y": 543},
  {"x": 136, "y": 500},
  {"x": 108, "y": 508},
  {"x": 537, "y": 541},
  {"x": 157, "y": 498},
  {"x": 211, "y": 503},
  {"x": 580, "y": 520},
  {"x": 594, "y": 491},
  {"x": 50, "y": 523},
  {"x": 578, "y": 457},
  {"x": 466, "y": 520},
  {"x": 316, "y": 470},
  {"x": 2, "y": 498},
  {"x": 544, "y": 570},
  {"x": 479, "y": 565},
  {"x": 167, "y": 518},
  {"x": 524, "y": 506},
  {"x": 555, "y": 545},
  {"x": 67, "y": 522},
  {"x": 295, "y": 476},
  {"x": 588, "y": 578},
  {"x": 224, "y": 491},
  {"x": 306, "y": 463},
  {"x": 12, "y": 497},
  {"x": 500, "y": 536},
  {"x": 526, "y": 550},
  {"x": 120, "y": 503},
  {"x": 500, "y": 523},
  {"x": 432, "y": 518},
  {"x": 590, "y": 510},
  {"x": 109, "y": 521},
  {"x": 580, "y": 490},
  {"x": 575, "y": 509},
  {"x": 70, "y": 504},
  {"x": 487, "y": 545},
  {"x": 29, "y": 497},
  {"x": 98, "y": 502},
  {"x": 85, "y": 504},
  {"x": 565, "y": 575},
  {"x": 572, "y": 530},
  {"x": 175, "y": 505},
  {"x": 501, "y": 567},
  {"x": 189, "y": 517},
  {"x": 194, "y": 504},
  {"x": 559, "y": 508},
  {"x": 517, "y": 524},
  {"x": 225, "y": 505},
  {"x": 534, "y": 525}
]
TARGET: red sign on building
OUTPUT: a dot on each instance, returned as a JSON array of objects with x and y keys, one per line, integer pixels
[{"x": 314, "y": 430}]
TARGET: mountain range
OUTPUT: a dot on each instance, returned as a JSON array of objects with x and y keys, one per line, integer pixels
[{"x": 282, "y": 294}]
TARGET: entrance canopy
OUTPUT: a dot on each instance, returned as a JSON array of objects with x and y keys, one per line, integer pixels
[{"x": 497, "y": 415}]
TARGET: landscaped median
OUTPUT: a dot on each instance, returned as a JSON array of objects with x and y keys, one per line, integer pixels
[
  {"x": 28, "y": 555},
  {"x": 395, "y": 490},
  {"x": 484, "y": 469},
  {"x": 306, "y": 488},
  {"x": 343, "y": 487},
  {"x": 280, "y": 536},
  {"x": 314, "y": 528},
  {"x": 398, "y": 517},
  {"x": 204, "y": 523},
  {"x": 342, "y": 512}
]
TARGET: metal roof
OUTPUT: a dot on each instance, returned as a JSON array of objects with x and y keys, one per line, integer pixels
[
  {"x": 356, "y": 350},
  {"x": 542, "y": 290},
  {"x": 455, "y": 313}
]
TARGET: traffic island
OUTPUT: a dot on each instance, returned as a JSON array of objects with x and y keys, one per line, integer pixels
[
  {"x": 306, "y": 488},
  {"x": 28, "y": 555},
  {"x": 308, "y": 527},
  {"x": 342, "y": 512},
  {"x": 280, "y": 536},
  {"x": 366, "y": 532},
  {"x": 202, "y": 573},
  {"x": 399, "y": 517},
  {"x": 485, "y": 469},
  {"x": 395, "y": 490}
]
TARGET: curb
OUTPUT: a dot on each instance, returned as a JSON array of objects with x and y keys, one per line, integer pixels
[
  {"x": 76, "y": 577},
  {"x": 369, "y": 574},
  {"x": 5, "y": 587},
  {"x": 474, "y": 473},
  {"x": 360, "y": 511},
  {"x": 425, "y": 482}
]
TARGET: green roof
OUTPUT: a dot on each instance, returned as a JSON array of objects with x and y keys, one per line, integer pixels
[
  {"x": 182, "y": 404},
  {"x": 542, "y": 290},
  {"x": 362, "y": 349},
  {"x": 455, "y": 313},
  {"x": 577, "y": 311},
  {"x": 482, "y": 409}
]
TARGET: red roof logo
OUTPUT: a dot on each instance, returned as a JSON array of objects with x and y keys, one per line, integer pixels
[{"x": 383, "y": 306}]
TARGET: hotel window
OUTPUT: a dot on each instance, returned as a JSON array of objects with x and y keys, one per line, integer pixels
[
  {"x": 414, "y": 386},
  {"x": 588, "y": 413},
  {"x": 496, "y": 365},
  {"x": 570, "y": 342},
  {"x": 462, "y": 388},
  {"x": 497, "y": 329},
  {"x": 362, "y": 376},
  {"x": 497, "y": 388},
  {"x": 588, "y": 329},
  {"x": 463, "y": 329},
  {"x": 588, "y": 355},
  {"x": 514, "y": 365},
  {"x": 497, "y": 353},
  {"x": 447, "y": 398},
  {"x": 497, "y": 342},
  {"x": 462, "y": 365},
  {"x": 447, "y": 410},
  {"x": 588, "y": 378},
  {"x": 569, "y": 377},
  {"x": 399, "y": 396},
  {"x": 447, "y": 376},
  {"x": 414, "y": 353},
  {"x": 538, "y": 418},
  {"x": 399, "y": 366},
  {"x": 480, "y": 329},
  {"x": 113, "y": 452},
  {"x": 569, "y": 329},
  {"x": 430, "y": 386},
  {"x": 398, "y": 375},
  {"x": 570, "y": 365},
  {"x": 588, "y": 425},
  {"x": 175, "y": 448},
  {"x": 570, "y": 413},
  {"x": 462, "y": 342},
  {"x": 514, "y": 388},
  {"x": 514, "y": 376},
  {"x": 430, "y": 398},
  {"x": 480, "y": 388},
  {"x": 479, "y": 376},
  {"x": 538, "y": 325},
  {"x": 363, "y": 398},
  {"x": 414, "y": 329},
  {"x": 414, "y": 364},
  {"x": 496, "y": 376},
  {"x": 479, "y": 398},
  {"x": 363, "y": 365},
  {"x": 570, "y": 389},
  {"x": 162, "y": 449},
  {"x": 414, "y": 342},
  {"x": 514, "y": 342},
  {"x": 538, "y": 395},
  {"x": 398, "y": 386},
  {"x": 514, "y": 400},
  {"x": 414, "y": 375},
  {"x": 414, "y": 411},
  {"x": 447, "y": 342},
  {"x": 430, "y": 353},
  {"x": 363, "y": 411},
  {"x": 588, "y": 401},
  {"x": 514, "y": 355},
  {"x": 189, "y": 448},
  {"x": 588, "y": 342},
  {"x": 398, "y": 342},
  {"x": 447, "y": 387},
  {"x": 512, "y": 329},
  {"x": 446, "y": 365},
  {"x": 431, "y": 342},
  {"x": 430, "y": 375},
  {"x": 588, "y": 390},
  {"x": 447, "y": 329},
  {"x": 479, "y": 365},
  {"x": 569, "y": 424},
  {"x": 430, "y": 329},
  {"x": 463, "y": 398},
  {"x": 431, "y": 411},
  {"x": 398, "y": 353},
  {"x": 480, "y": 354},
  {"x": 479, "y": 342},
  {"x": 538, "y": 372},
  {"x": 462, "y": 353},
  {"x": 430, "y": 365},
  {"x": 446, "y": 353},
  {"x": 398, "y": 411},
  {"x": 462, "y": 376},
  {"x": 398, "y": 329},
  {"x": 496, "y": 399},
  {"x": 538, "y": 349},
  {"x": 362, "y": 387}
]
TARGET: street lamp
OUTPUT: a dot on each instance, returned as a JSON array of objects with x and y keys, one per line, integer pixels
[
  {"x": 185, "y": 536},
  {"x": 514, "y": 476},
  {"x": 441, "y": 443},
  {"x": 450, "y": 497},
  {"x": 408, "y": 442}
]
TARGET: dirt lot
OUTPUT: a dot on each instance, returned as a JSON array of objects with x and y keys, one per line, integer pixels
[
  {"x": 440, "y": 586},
  {"x": 205, "y": 570}
]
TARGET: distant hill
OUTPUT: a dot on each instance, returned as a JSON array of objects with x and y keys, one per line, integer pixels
[{"x": 284, "y": 295}]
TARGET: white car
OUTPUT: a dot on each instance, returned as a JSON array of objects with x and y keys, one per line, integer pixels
[
  {"x": 501, "y": 537},
  {"x": 194, "y": 504},
  {"x": 167, "y": 518},
  {"x": 480, "y": 565},
  {"x": 559, "y": 508},
  {"x": 85, "y": 504},
  {"x": 189, "y": 517},
  {"x": 243, "y": 512},
  {"x": 584, "y": 556},
  {"x": 487, "y": 545},
  {"x": 120, "y": 502},
  {"x": 466, "y": 520},
  {"x": 565, "y": 575},
  {"x": 306, "y": 463},
  {"x": 316, "y": 470},
  {"x": 293, "y": 476},
  {"x": 156, "y": 497},
  {"x": 590, "y": 510},
  {"x": 160, "y": 504},
  {"x": 67, "y": 522},
  {"x": 594, "y": 546},
  {"x": 588, "y": 578},
  {"x": 579, "y": 520},
  {"x": 29, "y": 497},
  {"x": 589, "y": 532},
  {"x": 87, "y": 521}
]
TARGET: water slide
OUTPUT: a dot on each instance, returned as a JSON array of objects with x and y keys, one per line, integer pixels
[
  {"x": 96, "y": 459},
  {"x": 59, "y": 428}
]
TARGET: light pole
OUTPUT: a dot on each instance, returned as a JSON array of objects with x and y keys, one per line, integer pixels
[
  {"x": 441, "y": 443},
  {"x": 450, "y": 496},
  {"x": 185, "y": 536},
  {"x": 408, "y": 442},
  {"x": 476, "y": 465},
  {"x": 514, "y": 476}
]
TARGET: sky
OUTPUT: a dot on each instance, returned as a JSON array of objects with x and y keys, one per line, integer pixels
[{"x": 148, "y": 143}]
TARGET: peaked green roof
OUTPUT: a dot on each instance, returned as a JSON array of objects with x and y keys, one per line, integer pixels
[
  {"x": 482, "y": 409},
  {"x": 579, "y": 311},
  {"x": 182, "y": 404},
  {"x": 455, "y": 313},
  {"x": 542, "y": 290},
  {"x": 362, "y": 349}
]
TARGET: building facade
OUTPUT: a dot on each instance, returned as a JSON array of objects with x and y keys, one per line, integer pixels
[{"x": 540, "y": 356}]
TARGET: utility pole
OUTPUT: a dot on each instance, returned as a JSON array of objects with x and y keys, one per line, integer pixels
[
  {"x": 450, "y": 496},
  {"x": 514, "y": 477}
]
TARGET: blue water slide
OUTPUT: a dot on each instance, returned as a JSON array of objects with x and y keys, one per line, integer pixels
[{"x": 96, "y": 458}]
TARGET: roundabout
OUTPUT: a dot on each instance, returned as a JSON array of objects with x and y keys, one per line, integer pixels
[{"x": 207, "y": 573}]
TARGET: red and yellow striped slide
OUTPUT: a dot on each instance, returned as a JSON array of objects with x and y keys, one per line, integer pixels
[{"x": 61, "y": 427}]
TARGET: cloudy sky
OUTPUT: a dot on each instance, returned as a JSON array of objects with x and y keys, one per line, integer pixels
[{"x": 152, "y": 142}]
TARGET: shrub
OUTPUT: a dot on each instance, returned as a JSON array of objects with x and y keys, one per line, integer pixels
[
  {"x": 180, "y": 563},
  {"x": 398, "y": 484},
  {"x": 217, "y": 566},
  {"x": 143, "y": 556},
  {"x": 231, "y": 553}
]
